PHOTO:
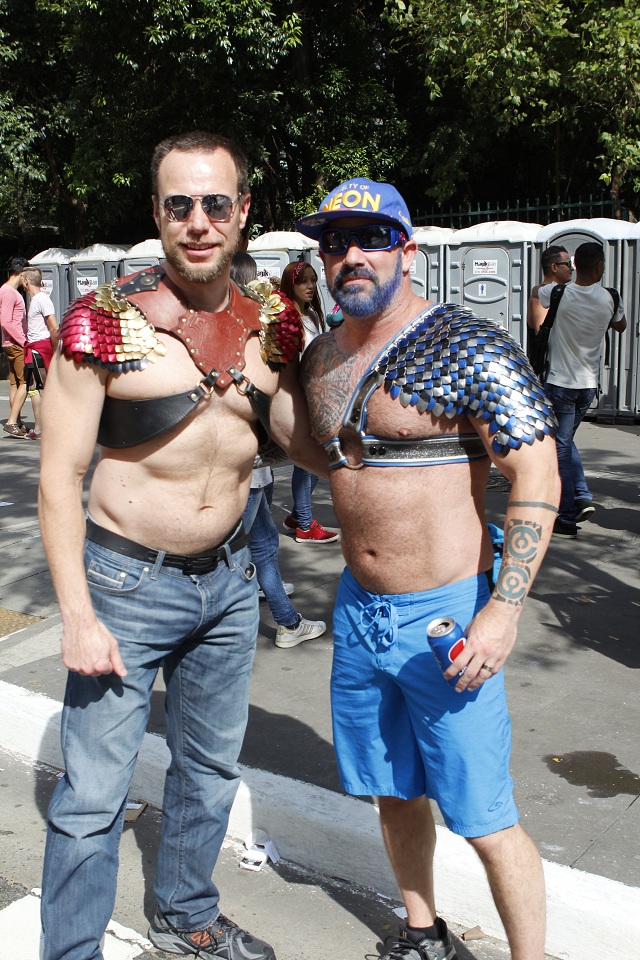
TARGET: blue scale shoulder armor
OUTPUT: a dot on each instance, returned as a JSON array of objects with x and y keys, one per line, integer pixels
[{"x": 448, "y": 362}]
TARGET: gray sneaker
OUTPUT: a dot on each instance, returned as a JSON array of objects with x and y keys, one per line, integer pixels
[
  {"x": 306, "y": 630},
  {"x": 408, "y": 948},
  {"x": 222, "y": 939},
  {"x": 585, "y": 509}
]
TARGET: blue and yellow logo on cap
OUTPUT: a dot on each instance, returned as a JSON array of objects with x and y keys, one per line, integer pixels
[{"x": 354, "y": 199}]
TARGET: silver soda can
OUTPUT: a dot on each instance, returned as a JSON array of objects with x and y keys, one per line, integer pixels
[{"x": 447, "y": 640}]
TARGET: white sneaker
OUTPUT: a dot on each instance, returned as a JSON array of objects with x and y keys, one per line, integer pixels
[
  {"x": 288, "y": 589},
  {"x": 306, "y": 630}
]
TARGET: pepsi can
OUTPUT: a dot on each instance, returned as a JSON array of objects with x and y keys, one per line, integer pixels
[{"x": 447, "y": 641}]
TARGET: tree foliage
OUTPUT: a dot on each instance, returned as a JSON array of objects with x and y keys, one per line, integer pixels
[
  {"x": 549, "y": 88},
  {"x": 485, "y": 98}
]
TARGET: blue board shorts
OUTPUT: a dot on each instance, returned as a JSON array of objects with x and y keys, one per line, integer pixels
[{"x": 400, "y": 730}]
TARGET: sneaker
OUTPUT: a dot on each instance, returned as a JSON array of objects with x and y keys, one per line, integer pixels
[
  {"x": 409, "y": 946},
  {"x": 14, "y": 430},
  {"x": 306, "y": 630},
  {"x": 221, "y": 939},
  {"x": 584, "y": 510},
  {"x": 562, "y": 528},
  {"x": 32, "y": 435},
  {"x": 315, "y": 534},
  {"x": 288, "y": 589},
  {"x": 290, "y": 524}
]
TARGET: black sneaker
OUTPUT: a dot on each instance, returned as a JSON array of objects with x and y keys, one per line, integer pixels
[
  {"x": 562, "y": 528},
  {"x": 409, "y": 946},
  {"x": 221, "y": 939},
  {"x": 584, "y": 510}
]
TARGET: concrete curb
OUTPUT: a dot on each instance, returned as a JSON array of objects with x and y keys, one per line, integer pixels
[{"x": 339, "y": 836}]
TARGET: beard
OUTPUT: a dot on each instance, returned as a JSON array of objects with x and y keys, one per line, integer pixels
[
  {"x": 201, "y": 272},
  {"x": 360, "y": 303}
]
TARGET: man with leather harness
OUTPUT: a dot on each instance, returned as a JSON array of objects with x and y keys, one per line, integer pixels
[
  {"x": 178, "y": 374},
  {"x": 413, "y": 402}
]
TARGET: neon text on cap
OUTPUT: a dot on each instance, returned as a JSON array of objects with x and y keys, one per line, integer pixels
[{"x": 353, "y": 198}]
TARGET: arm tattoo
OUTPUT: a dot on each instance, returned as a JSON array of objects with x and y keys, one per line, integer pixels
[
  {"x": 270, "y": 455},
  {"x": 326, "y": 375},
  {"x": 521, "y": 542},
  {"x": 534, "y": 503}
]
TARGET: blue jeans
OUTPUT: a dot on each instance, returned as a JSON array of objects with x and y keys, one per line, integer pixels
[
  {"x": 202, "y": 631},
  {"x": 263, "y": 543},
  {"x": 303, "y": 484},
  {"x": 570, "y": 407}
]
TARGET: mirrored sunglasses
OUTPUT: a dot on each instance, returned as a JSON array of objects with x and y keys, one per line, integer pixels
[
  {"x": 217, "y": 206},
  {"x": 375, "y": 237}
]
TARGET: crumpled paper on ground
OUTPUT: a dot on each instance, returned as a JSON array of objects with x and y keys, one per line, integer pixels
[{"x": 259, "y": 849}]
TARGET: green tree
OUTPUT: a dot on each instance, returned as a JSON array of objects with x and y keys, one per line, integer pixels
[
  {"x": 89, "y": 87},
  {"x": 104, "y": 81},
  {"x": 528, "y": 94},
  {"x": 338, "y": 115}
]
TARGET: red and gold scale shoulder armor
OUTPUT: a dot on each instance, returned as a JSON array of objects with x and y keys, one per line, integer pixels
[
  {"x": 281, "y": 330},
  {"x": 106, "y": 329}
]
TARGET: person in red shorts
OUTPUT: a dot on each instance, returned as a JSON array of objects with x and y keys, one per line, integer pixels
[{"x": 42, "y": 339}]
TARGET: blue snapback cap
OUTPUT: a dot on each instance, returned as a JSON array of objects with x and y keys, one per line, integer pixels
[{"x": 358, "y": 197}]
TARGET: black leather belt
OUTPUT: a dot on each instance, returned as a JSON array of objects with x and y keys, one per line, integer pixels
[{"x": 196, "y": 563}]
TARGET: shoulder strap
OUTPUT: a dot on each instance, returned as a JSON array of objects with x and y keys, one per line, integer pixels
[
  {"x": 556, "y": 296},
  {"x": 615, "y": 296}
]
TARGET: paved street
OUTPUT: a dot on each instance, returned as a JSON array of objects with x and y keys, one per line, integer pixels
[{"x": 575, "y": 704}]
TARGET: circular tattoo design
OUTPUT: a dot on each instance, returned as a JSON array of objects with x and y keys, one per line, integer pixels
[
  {"x": 523, "y": 541},
  {"x": 513, "y": 583}
]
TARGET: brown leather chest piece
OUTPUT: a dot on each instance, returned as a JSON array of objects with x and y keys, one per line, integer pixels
[{"x": 215, "y": 341}]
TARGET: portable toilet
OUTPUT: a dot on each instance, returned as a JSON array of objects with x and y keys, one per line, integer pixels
[
  {"x": 432, "y": 241},
  {"x": 619, "y": 383},
  {"x": 273, "y": 251},
  {"x": 93, "y": 266},
  {"x": 148, "y": 253},
  {"x": 54, "y": 264},
  {"x": 488, "y": 270}
]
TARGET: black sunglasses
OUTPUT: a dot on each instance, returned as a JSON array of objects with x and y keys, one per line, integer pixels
[
  {"x": 217, "y": 206},
  {"x": 376, "y": 237}
]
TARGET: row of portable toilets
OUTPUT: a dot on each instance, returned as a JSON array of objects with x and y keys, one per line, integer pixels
[{"x": 489, "y": 268}]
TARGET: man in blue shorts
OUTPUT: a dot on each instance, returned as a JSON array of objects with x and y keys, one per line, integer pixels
[{"x": 414, "y": 402}]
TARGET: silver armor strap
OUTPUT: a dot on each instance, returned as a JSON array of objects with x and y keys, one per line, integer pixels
[
  {"x": 458, "y": 448},
  {"x": 385, "y": 452}
]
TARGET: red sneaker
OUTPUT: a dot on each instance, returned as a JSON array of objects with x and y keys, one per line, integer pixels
[
  {"x": 290, "y": 524},
  {"x": 315, "y": 534}
]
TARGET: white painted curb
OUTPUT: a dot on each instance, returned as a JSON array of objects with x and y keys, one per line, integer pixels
[{"x": 340, "y": 836}]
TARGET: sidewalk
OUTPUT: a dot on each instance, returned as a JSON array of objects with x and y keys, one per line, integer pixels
[{"x": 573, "y": 692}]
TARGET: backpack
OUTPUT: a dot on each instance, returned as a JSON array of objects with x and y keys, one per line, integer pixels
[{"x": 538, "y": 343}]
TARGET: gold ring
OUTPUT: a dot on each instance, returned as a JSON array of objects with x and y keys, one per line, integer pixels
[{"x": 485, "y": 666}]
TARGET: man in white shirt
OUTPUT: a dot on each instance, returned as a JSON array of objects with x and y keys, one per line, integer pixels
[
  {"x": 42, "y": 339},
  {"x": 556, "y": 268},
  {"x": 585, "y": 313}
]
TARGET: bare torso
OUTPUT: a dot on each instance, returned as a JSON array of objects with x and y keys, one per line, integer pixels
[
  {"x": 404, "y": 529},
  {"x": 185, "y": 490}
]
